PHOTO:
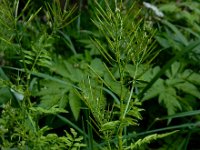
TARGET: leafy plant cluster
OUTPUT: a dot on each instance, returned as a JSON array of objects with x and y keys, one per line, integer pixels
[{"x": 99, "y": 75}]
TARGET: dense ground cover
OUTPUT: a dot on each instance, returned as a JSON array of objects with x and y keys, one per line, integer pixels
[{"x": 99, "y": 74}]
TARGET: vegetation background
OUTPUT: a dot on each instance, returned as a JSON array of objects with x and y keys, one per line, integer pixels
[{"x": 97, "y": 74}]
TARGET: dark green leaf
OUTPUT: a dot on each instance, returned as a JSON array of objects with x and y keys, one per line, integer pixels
[{"x": 75, "y": 104}]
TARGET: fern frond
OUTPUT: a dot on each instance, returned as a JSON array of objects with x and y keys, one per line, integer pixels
[
  {"x": 39, "y": 55},
  {"x": 148, "y": 139}
]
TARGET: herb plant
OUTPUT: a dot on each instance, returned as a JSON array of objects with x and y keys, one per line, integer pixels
[{"x": 98, "y": 74}]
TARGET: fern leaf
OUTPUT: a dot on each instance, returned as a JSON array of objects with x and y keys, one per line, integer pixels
[
  {"x": 148, "y": 139},
  {"x": 39, "y": 54}
]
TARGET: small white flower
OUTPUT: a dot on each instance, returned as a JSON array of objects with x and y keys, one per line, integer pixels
[
  {"x": 19, "y": 96},
  {"x": 154, "y": 8}
]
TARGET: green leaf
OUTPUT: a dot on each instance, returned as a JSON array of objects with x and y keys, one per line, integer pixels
[
  {"x": 53, "y": 110},
  {"x": 163, "y": 41},
  {"x": 112, "y": 125},
  {"x": 98, "y": 66},
  {"x": 148, "y": 139},
  {"x": 169, "y": 100},
  {"x": 5, "y": 95},
  {"x": 135, "y": 112},
  {"x": 189, "y": 88},
  {"x": 185, "y": 50},
  {"x": 180, "y": 37},
  {"x": 174, "y": 70},
  {"x": 169, "y": 7},
  {"x": 115, "y": 86},
  {"x": 75, "y": 104},
  {"x": 155, "y": 90},
  {"x": 74, "y": 74},
  {"x": 129, "y": 121},
  {"x": 3, "y": 75},
  {"x": 193, "y": 77},
  {"x": 53, "y": 93}
]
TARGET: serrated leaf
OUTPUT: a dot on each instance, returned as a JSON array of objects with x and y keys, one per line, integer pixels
[
  {"x": 173, "y": 71},
  {"x": 173, "y": 81},
  {"x": 169, "y": 100},
  {"x": 131, "y": 69},
  {"x": 74, "y": 133},
  {"x": 60, "y": 69},
  {"x": 148, "y": 75},
  {"x": 155, "y": 90},
  {"x": 80, "y": 138},
  {"x": 194, "y": 78},
  {"x": 52, "y": 93},
  {"x": 69, "y": 136},
  {"x": 75, "y": 104},
  {"x": 189, "y": 88}
]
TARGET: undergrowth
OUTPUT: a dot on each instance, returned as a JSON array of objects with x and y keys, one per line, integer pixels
[{"x": 98, "y": 75}]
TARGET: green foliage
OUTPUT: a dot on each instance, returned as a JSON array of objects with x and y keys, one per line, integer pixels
[
  {"x": 138, "y": 144},
  {"x": 39, "y": 54},
  {"x": 52, "y": 96},
  {"x": 22, "y": 132},
  {"x": 75, "y": 104},
  {"x": 179, "y": 81},
  {"x": 111, "y": 71},
  {"x": 57, "y": 17},
  {"x": 128, "y": 42},
  {"x": 20, "y": 124}
]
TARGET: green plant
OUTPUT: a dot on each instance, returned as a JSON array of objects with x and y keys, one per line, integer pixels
[
  {"x": 172, "y": 79},
  {"x": 62, "y": 75},
  {"x": 175, "y": 92},
  {"x": 128, "y": 45},
  {"x": 31, "y": 45}
]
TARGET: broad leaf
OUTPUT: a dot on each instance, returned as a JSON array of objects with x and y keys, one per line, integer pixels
[
  {"x": 155, "y": 90},
  {"x": 75, "y": 104},
  {"x": 98, "y": 67},
  {"x": 53, "y": 93},
  {"x": 169, "y": 100}
]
